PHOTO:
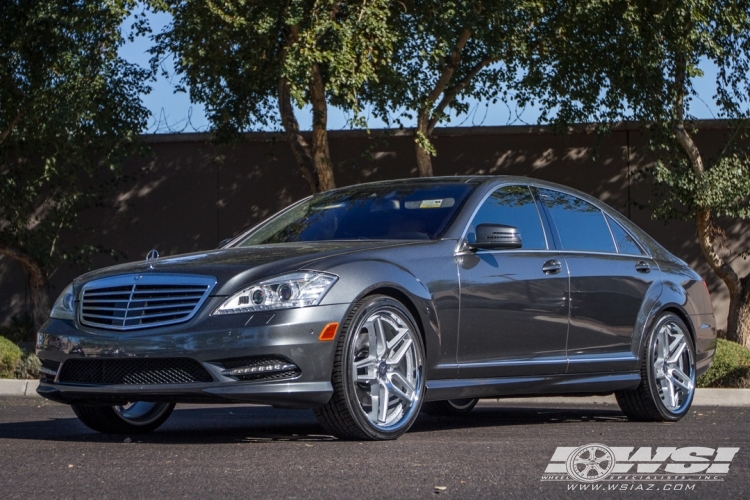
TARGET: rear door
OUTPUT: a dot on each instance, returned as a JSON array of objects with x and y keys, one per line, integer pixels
[
  {"x": 513, "y": 309},
  {"x": 609, "y": 278}
]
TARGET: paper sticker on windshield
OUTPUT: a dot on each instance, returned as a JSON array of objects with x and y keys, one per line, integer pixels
[
  {"x": 441, "y": 203},
  {"x": 328, "y": 207}
]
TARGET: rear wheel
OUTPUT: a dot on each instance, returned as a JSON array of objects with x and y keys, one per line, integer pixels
[
  {"x": 667, "y": 374},
  {"x": 451, "y": 407},
  {"x": 139, "y": 417},
  {"x": 378, "y": 380}
]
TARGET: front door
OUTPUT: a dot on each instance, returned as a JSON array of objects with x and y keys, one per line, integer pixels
[{"x": 514, "y": 307}]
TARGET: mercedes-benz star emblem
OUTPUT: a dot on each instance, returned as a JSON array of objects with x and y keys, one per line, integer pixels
[{"x": 151, "y": 258}]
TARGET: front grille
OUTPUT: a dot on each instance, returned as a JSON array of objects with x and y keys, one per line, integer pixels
[
  {"x": 142, "y": 301},
  {"x": 133, "y": 371}
]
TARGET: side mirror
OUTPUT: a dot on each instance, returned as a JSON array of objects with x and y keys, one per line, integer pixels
[
  {"x": 496, "y": 236},
  {"x": 224, "y": 242}
]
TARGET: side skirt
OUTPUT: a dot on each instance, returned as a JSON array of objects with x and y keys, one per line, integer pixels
[{"x": 543, "y": 385}]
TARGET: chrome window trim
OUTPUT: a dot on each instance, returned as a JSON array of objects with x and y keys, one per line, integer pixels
[
  {"x": 609, "y": 228},
  {"x": 643, "y": 253},
  {"x": 145, "y": 279},
  {"x": 557, "y": 252}
]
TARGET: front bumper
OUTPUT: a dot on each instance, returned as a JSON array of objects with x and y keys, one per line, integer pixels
[{"x": 290, "y": 334}]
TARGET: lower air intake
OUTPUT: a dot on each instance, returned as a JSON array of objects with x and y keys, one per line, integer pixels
[{"x": 133, "y": 371}]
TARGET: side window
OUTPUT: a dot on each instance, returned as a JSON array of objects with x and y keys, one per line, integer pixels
[
  {"x": 625, "y": 243},
  {"x": 513, "y": 206},
  {"x": 580, "y": 225}
]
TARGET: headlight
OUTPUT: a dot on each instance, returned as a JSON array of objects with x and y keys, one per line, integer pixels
[
  {"x": 300, "y": 289},
  {"x": 65, "y": 305}
]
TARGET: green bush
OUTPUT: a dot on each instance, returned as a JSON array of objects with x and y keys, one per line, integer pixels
[
  {"x": 28, "y": 366},
  {"x": 10, "y": 355},
  {"x": 731, "y": 368}
]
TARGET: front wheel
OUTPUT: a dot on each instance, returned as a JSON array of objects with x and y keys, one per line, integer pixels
[
  {"x": 139, "y": 417},
  {"x": 667, "y": 374},
  {"x": 378, "y": 380}
]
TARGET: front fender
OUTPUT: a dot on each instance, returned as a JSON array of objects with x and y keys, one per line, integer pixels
[{"x": 423, "y": 297}]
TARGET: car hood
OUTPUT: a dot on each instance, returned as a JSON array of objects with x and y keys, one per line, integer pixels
[{"x": 236, "y": 267}]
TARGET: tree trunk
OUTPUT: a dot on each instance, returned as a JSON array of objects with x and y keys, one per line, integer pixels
[
  {"x": 36, "y": 278},
  {"x": 321, "y": 154},
  {"x": 738, "y": 321},
  {"x": 299, "y": 146},
  {"x": 423, "y": 137}
]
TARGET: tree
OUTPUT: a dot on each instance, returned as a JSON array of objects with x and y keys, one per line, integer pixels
[
  {"x": 448, "y": 52},
  {"x": 249, "y": 63},
  {"x": 609, "y": 60},
  {"x": 69, "y": 108}
]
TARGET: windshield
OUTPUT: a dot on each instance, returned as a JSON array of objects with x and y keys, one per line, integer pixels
[{"x": 390, "y": 212}]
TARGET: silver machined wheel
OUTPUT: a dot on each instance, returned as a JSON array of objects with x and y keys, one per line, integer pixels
[
  {"x": 386, "y": 369},
  {"x": 673, "y": 367},
  {"x": 142, "y": 413}
]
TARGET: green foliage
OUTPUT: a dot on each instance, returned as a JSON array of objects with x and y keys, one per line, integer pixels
[
  {"x": 69, "y": 108},
  {"x": 10, "y": 355},
  {"x": 429, "y": 35},
  {"x": 231, "y": 54},
  {"x": 730, "y": 369},
  {"x": 612, "y": 60},
  {"x": 28, "y": 366},
  {"x": 21, "y": 329}
]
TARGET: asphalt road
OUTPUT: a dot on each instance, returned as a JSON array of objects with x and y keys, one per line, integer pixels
[{"x": 500, "y": 450}]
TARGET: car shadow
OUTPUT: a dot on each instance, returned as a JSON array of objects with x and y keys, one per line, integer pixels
[
  {"x": 263, "y": 424},
  {"x": 504, "y": 416}
]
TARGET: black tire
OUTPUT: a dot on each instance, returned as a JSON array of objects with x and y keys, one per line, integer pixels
[
  {"x": 112, "y": 419},
  {"x": 450, "y": 408},
  {"x": 647, "y": 401},
  {"x": 345, "y": 415}
]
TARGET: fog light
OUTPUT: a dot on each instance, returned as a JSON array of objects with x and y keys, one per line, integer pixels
[{"x": 265, "y": 368}]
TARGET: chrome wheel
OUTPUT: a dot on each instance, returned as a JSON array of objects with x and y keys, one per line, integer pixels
[
  {"x": 673, "y": 367},
  {"x": 667, "y": 384},
  {"x": 386, "y": 369},
  {"x": 142, "y": 413},
  {"x": 377, "y": 373}
]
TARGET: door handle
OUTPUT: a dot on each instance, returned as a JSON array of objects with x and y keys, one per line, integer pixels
[
  {"x": 642, "y": 266},
  {"x": 552, "y": 267}
]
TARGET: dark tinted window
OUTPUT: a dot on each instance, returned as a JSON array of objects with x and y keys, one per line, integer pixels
[
  {"x": 580, "y": 225},
  {"x": 387, "y": 211},
  {"x": 625, "y": 242},
  {"x": 512, "y": 206}
]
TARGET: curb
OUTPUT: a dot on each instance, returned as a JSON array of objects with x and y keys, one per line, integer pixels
[
  {"x": 703, "y": 397},
  {"x": 19, "y": 388}
]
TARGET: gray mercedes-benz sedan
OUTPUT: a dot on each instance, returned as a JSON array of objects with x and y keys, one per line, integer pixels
[{"x": 374, "y": 302}]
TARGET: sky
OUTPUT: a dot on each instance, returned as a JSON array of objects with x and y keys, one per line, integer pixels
[{"x": 174, "y": 113}]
